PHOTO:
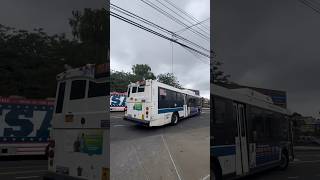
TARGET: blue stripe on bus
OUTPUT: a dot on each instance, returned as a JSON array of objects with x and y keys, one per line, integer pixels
[
  {"x": 166, "y": 110},
  {"x": 267, "y": 153},
  {"x": 224, "y": 150}
]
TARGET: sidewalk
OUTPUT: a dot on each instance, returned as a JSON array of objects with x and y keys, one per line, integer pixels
[{"x": 306, "y": 148}]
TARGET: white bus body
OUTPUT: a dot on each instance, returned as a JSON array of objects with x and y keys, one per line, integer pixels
[
  {"x": 248, "y": 133},
  {"x": 152, "y": 103},
  {"x": 78, "y": 148}
]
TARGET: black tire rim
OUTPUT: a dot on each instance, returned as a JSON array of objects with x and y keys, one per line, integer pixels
[{"x": 175, "y": 119}]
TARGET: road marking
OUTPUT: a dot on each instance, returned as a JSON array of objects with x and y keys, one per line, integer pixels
[
  {"x": 165, "y": 144},
  {"x": 22, "y": 172},
  {"x": 206, "y": 177},
  {"x": 27, "y": 177},
  {"x": 299, "y": 162},
  {"x": 116, "y": 117},
  {"x": 119, "y": 125}
]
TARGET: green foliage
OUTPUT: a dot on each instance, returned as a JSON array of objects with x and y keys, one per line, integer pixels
[
  {"x": 142, "y": 72},
  {"x": 121, "y": 80},
  {"x": 217, "y": 75},
  {"x": 169, "y": 79}
]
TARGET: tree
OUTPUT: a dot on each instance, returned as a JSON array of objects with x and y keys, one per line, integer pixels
[
  {"x": 142, "y": 72},
  {"x": 30, "y": 60},
  {"x": 217, "y": 75},
  {"x": 120, "y": 81},
  {"x": 169, "y": 79},
  {"x": 91, "y": 28}
]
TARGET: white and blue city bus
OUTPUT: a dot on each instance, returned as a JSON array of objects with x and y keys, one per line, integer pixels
[
  {"x": 248, "y": 133},
  {"x": 152, "y": 103},
  {"x": 78, "y": 146}
]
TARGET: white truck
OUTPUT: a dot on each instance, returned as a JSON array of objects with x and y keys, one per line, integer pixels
[{"x": 79, "y": 144}]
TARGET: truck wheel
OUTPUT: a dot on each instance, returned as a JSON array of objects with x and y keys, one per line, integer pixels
[
  {"x": 284, "y": 161},
  {"x": 174, "y": 119}
]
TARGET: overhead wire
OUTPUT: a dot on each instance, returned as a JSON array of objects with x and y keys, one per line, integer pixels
[
  {"x": 128, "y": 13},
  {"x": 185, "y": 13},
  {"x": 187, "y": 20},
  {"x": 310, "y": 5},
  {"x": 156, "y": 33},
  {"x": 165, "y": 13}
]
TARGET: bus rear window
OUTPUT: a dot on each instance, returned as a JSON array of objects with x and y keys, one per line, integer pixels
[
  {"x": 141, "y": 89},
  {"x": 78, "y": 89},
  {"x": 134, "y": 89},
  {"x": 97, "y": 89},
  {"x": 60, "y": 97}
]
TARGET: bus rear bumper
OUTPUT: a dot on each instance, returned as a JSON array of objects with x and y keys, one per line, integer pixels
[
  {"x": 56, "y": 176},
  {"x": 138, "y": 121}
]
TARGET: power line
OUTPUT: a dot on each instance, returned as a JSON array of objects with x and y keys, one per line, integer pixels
[
  {"x": 165, "y": 13},
  {"x": 181, "y": 30},
  {"x": 128, "y": 13},
  {"x": 310, "y": 5},
  {"x": 156, "y": 33},
  {"x": 185, "y": 13},
  {"x": 181, "y": 17}
]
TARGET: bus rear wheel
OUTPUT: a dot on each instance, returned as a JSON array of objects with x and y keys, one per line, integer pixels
[
  {"x": 284, "y": 161},
  {"x": 174, "y": 119},
  {"x": 215, "y": 172}
]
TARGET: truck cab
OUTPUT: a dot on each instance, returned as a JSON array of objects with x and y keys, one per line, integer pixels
[{"x": 78, "y": 146}]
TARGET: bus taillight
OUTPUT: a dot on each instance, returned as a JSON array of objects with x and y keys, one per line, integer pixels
[{"x": 147, "y": 108}]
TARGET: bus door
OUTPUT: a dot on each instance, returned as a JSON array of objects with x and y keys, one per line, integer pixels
[
  {"x": 186, "y": 110},
  {"x": 242, "y": 166}
]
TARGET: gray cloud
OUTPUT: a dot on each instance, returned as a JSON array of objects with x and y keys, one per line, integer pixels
[
  {"x": 51, "y": 15},
  {"x": 271, "y": 44}
]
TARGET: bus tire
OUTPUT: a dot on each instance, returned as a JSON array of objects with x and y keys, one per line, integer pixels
[
  {"x": 174, "y": 118},
  {"x": 284, "y": 162},
  {"x": 215, "y": 170}
]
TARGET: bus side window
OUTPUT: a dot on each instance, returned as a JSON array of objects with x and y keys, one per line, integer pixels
[
  {"x": 97, "y": 89},
  {"x": 60, "y": 97}
]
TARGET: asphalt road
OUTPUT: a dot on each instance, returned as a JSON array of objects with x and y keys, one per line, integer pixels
[
  {"x": 306, "y": 166},
  {"x": 26, "y": 168},
  {"x": 168, "y": 152}
]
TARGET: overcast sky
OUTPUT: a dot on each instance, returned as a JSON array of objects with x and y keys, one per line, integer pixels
[
  {"x": 50, "y": 15},
  {"x": 271, "y": 44},
  {"x": 130, "y": 45}
]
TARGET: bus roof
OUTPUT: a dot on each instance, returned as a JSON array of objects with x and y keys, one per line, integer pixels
[
  {"x": 159, "y": 84},
  {"x": 92, "y": 71},
  {"x": 249, "y": 97}
]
